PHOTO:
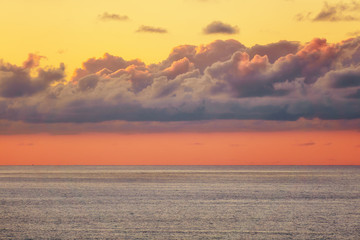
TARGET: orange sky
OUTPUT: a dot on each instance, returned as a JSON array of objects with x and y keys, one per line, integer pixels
[{"x": 278, "y": 148}]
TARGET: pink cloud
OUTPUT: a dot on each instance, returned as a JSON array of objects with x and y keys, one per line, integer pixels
[{"x": 178, "y": 67}]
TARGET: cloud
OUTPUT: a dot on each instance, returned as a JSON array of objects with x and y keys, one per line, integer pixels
[
  {"x": 343, "y": 78},
  {"x": 88, "y": 82},
  {"x": 307, "y": 144},
  {"x": 333, "y": 12},
  {"x": 338, "y": 12},
  {"x": 274, "y": 50},
  {"x": 32, "y": 61},
  {"x": 220, "y": 81},
  {"x": 204, "y": 55},
  {"x": 150, "y": 29},
  {"x": 17, "y": 81},
  {"x": 107, "y": 63},
  {"x": 204, "y": 126},
  {"x": 303, "y": 16},
  {"x": 178, "y": 67},
  {"x": 112, "y": 17},
  {"x": 220, "y": 27},
  {"x": 355, "y": 94},
  {"x": 242, "y": 77}
]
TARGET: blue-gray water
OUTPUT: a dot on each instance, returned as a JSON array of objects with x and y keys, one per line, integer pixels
[{"x": 179, "y": 202}]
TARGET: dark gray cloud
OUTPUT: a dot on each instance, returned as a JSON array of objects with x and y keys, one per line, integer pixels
[
  {"x": 150, "y": 29},
  {"x": 220, "y": 27},
  {"x": 222, "y": 80},
  {"x": 355, "y": 94},
  {"x": 344, "y": 78},
  {"x": 112, "y": 17},
  {"x": 88, "y": 82}
]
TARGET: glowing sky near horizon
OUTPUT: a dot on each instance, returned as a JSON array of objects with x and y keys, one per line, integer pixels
[
  {"x": 246, "y": 148},
  {"x": 282, "y": 76}
]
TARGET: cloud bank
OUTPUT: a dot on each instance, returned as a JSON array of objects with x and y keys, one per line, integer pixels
[{"x": 219, "y": 81}]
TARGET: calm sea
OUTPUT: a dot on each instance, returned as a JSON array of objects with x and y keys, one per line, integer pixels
[{"x": 179, "y": 202}]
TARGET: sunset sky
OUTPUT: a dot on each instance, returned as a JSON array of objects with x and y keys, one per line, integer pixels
[{"x": 179, "y": 82}]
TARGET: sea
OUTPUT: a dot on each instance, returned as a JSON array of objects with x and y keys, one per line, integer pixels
[{"x": 180, "y": 202}]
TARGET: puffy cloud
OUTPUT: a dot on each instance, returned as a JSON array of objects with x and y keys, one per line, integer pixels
[
  {"x": 150, "y": 29},
  {"x": 311, "y": 61},
  {"x": 242, "y": 76},
  {"x": 88, "y": 82},
  {"x": 178, "y": 67},
  {"x": 112, "y": 17},
  {"x": 32, "y": 61},
  {"x": 108, "y": 62},
  {"x": 139, "y": 76},
  {"x": 274, "y": 50},
  {"x": 220, "y": 27},
  {"x": 203, "y": 56},
  {"x": 222, "y": 80},
  {"x": 246, "y": 77}
]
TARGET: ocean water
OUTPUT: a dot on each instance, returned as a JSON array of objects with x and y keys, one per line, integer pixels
[{"x": 179, "y": 202}]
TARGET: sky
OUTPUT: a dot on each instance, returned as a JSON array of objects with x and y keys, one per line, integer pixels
[{"x": 182, "y": 82}]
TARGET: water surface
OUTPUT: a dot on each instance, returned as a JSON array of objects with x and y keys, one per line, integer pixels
[{"x": 179, "y": 202}]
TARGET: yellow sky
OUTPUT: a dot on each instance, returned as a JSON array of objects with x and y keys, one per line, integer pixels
[{"x": 70, "y": 31}]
